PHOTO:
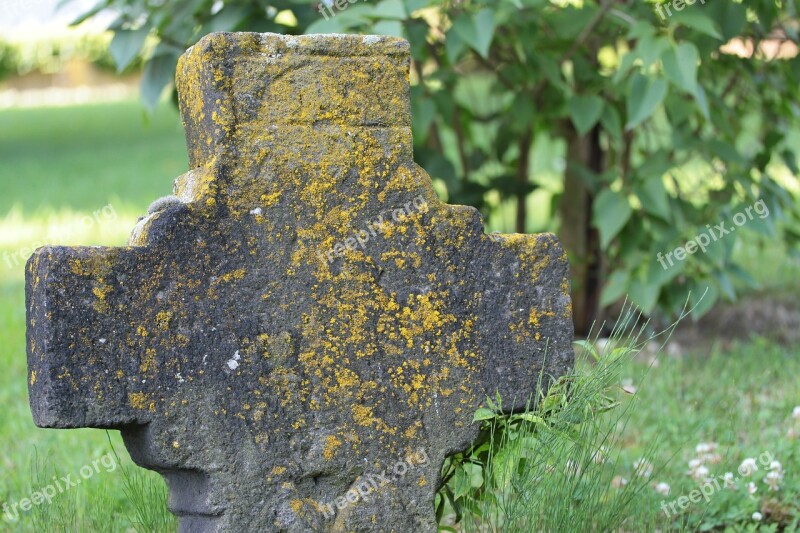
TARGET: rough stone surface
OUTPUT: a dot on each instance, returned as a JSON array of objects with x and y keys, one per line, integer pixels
[{"x": 257, "y": 353}]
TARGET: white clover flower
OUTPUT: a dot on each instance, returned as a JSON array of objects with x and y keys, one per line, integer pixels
[
  {"x": 701, "y": 474},
  {"x": 643, "y": 467},
  {"x": 618, "y": 482},
  {"x": 694, "y": 464},
  {"x": 713, "y": 458},
  {"x": 729, "y": 480},
  {"x": 796, "y": 413},
  {"x": 705, "y": 448},
  {"x": 748, "y": 466},
  {"x": 751, "y": 488},
  {"x": 774, "y": 480},
  {"x": 662, "y": 488},
  {"x": 757, "y": 516},
  {"x": 775, "y": 466}
]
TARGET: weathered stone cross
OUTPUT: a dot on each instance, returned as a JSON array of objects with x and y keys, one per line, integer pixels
[{"x": 306, "y": 313}]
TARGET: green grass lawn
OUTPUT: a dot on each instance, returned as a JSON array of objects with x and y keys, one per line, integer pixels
[{"x": 59, "y": 166}]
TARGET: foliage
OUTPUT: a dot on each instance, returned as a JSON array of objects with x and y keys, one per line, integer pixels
[
  {"x": 663, "y": 130},
  {"x": 552, "y": 467}
]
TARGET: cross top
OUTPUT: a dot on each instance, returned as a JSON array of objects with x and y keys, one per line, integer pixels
[{"x": 308, "y": 315}]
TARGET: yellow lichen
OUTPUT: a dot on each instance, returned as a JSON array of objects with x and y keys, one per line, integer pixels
[{"x": 332, "y": 443}]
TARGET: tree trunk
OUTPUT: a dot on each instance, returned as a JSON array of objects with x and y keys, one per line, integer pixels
[{"x": 580, "y": 239}]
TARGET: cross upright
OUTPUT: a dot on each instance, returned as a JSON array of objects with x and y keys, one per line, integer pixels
[{"x": 306, "y": 314}]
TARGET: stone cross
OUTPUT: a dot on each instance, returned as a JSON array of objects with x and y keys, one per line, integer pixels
[{"x": 299, "y": 338}]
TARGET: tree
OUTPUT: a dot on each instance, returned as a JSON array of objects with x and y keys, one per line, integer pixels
[{"x": 670, "y": 119}]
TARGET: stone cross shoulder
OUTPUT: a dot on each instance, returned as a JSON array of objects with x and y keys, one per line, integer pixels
[{"x": 305, "y": 317}]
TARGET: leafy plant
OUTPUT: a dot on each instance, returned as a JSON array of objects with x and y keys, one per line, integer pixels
[{"x": 552, "y": 467}]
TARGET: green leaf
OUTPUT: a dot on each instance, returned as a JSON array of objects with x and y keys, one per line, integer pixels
[
  {"x": 423, "y": 111},
  {"x": 651, "y": 48},
  {"x": 612, "y": 123},
  {"x": 653, "y": 195},
  {"x": 393, "y": 28},
  {"x": 616, "y": 286},
  {"x": 530, "y": 417},
  {"x": 126, "y": 45},
  {"x": 484, "y": 26},
  {"x": 644, "y": 96},
  {"x": 477, "y": 33},
  {"x": 702, "y": 101},
  {"x": 625, "y": 66},
  {"x": 680, "y": 66},
  {"x": 483, "y": 414},
  {"x": 158, "y": 73},
  {"x": 611, "y": 212},
  {"x": 726, "y": 285},
  {"x": 390, "y": 9},
  {"x": 644, "y": 294},
  {"x": 704, "y": 296},
  {"x": 461, "y": 483},
  {"x": 697, "y": 20},
  {"x": 585, "y": 111},
  {"x": 589, "y": 348},
  {"x": 454, "y": 44},
  {"x": 414, "y": 5}
]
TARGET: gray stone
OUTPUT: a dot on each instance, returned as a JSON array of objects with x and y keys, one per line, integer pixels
[{"x": 305, "y": 322}]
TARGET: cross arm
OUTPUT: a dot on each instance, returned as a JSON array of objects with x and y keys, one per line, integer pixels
[{"x": 82, "y": 371}]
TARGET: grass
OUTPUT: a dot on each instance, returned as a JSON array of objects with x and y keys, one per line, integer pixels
[
  {"x": 638, "y": 441},
  {"x": 59, "y": 166}
]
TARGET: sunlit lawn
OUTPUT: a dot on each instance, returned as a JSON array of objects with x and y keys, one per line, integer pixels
[{"x": 69, "y": 176}]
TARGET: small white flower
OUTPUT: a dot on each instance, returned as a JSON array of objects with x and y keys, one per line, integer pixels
[
  {"x": 757, "y": 516},
  {"x": 713, "y": 458},
  {"x": 748, "y": 466},
  {"x": 701, "y": 474},
  {"x": 751, "y": 488},
  {"x": 773, "y": 479},
  {"x": 694, "y": 464},
  {"x": 618, "y": 482},
  {"x": 643, "y": 467},
  {"x": 705, "y": 448},
  {"x": 775, "y": 466},
  {"x": 729, "y": 480},
  {"x": 663, "y": 489},
  {"x": 796, "y": 413}
]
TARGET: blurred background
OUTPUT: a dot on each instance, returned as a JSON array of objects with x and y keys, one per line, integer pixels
[{"x": 627, "y": 128}]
